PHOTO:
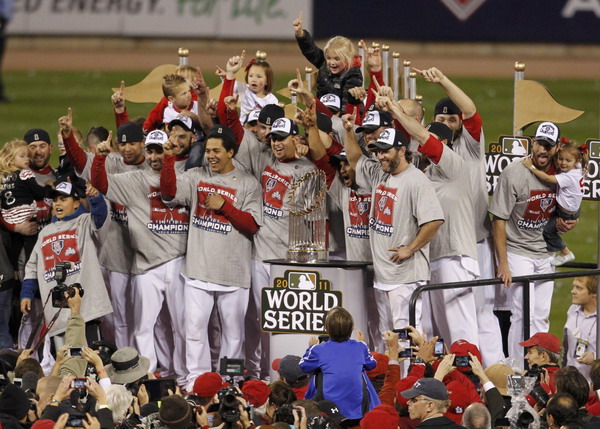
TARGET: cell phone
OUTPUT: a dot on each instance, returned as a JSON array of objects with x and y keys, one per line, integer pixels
[
  {"x": 17, "y": 382},
  {"x": 75, "y": 422},
  {"x": 403, "y": 334},
  {"x": 158, "y": 388},
  {"x": 78, "y": 383},
  {"x": 438, "y": 349},
  {"x": 462, "y": 361},
  {"x": 75, "y": 351},
  {"x": 406, "y": 353}
]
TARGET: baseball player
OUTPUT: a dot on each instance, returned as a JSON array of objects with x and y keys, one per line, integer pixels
[
  {"x": 521, "y": 206},
  {"x": 459, "y": 113},
  {"x": 405, "y": 216},
  {"x": 453, "y": 250},
  {"x": 116, "y": 253},
  {"x": 226, "y": 214},
  {"x": 158, "y": 235}
]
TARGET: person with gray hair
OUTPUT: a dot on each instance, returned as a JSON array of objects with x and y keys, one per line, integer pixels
[
  {"x": 477, "y": 416},
  {"x": 118, "y": 399}
]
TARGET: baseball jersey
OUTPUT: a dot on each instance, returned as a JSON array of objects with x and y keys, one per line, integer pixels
[
  {"x": 472, "y": 151},
  {"x": 450, "y": 179},
  {"x": 276, "y": 179},
  {"x": 526, "y": 204},
  {"x": 355, "y": 205},
  {"x": 400, "y": 204},
  {"x": 20, "y": 191},
  {"x": 213, "y": 241},
  {"x": 71, "y": 240},
  {"x": 157, "y": 233}
]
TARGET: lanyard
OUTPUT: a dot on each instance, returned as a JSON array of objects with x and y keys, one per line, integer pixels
[{"x": 591, "y": 329}]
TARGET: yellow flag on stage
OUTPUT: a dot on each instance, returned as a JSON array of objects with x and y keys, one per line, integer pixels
[{"x": 534, "y": 103}]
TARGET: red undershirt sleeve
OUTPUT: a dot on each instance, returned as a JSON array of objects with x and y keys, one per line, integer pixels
[
  {"x": 433, "y": 148},
  {"x": 241, "y": 220},
  {"x": 323, "y": 164},
  {"x": 473, "y": 125},
  {"x": 168, "y": 178},
  {"x": 99, "y": 178},
  {"x": 75, "y": 153}
]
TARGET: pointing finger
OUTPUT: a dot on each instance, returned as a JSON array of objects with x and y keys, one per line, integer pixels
[
  {"x": 243, "y": 54},
  {"x": 417, "y": 70},
  {"x": 70, "y": 113},
  {"x": 376, "y": 83}
]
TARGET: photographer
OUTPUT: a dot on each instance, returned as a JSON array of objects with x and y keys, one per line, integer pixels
[
  {"x": 542, "y": 356},
  {"x": 67, "y": 247}
]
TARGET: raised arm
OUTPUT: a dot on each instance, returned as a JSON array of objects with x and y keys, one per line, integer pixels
[
  {"x": 118, "y": 101},
  {"x": 457, "y": 95},
  {"x": 353, "y": 151},
  {"x": 74, "y": 152}
]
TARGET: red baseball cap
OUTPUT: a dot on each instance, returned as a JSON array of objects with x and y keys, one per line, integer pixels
[
  {"x": 256, "y": 392},
  {"x": 381, "y": 417},
  {"x": 404, "y": 384},
  {"x": 382, "y": 365},
  {"x": 463, "y": 348},
  {"x": 545, "y": 340},
  {"x": 208, "y": 384},
  {"x": 459, "y": 401}
]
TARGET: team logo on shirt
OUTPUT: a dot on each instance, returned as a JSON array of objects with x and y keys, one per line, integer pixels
[
  {"x": 275, "y": 187},
  {"x": 60, "y": 247},
  {"x": 166, "y": 220},
  {"x": 381, "y": 221},
  {"x": 359, "y": 206},
  {"x": 118, "y": 213},
  {"x": 207, "y": 219},
  {"x": 540, "y": 206}
]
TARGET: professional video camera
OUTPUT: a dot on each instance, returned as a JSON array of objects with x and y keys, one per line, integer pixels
[
  {"x": 229, "y": 408},
  {"x": 58, "y": 291},
  {"x": 537, "y": 392},
  {"x": 521, "y": 415}
]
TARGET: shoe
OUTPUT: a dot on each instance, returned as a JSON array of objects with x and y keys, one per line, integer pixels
[{"x": 560, "y": 259}]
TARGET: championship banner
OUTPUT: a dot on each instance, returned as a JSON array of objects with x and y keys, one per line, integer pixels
[
  {"x": 513, "y": 148},
  {"x": 298, "y": 303},
  {"x": 214, "y": 19}
]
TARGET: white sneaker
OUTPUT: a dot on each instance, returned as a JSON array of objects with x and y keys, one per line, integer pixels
[{"x": 560, "y": 259}]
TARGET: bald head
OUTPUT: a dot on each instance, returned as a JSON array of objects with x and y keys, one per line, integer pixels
[
  {"x": 477, "y": 416},
  {"x": 412, "y": 108}
]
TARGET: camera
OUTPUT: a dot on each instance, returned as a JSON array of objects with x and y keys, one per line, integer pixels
[
  {"x": 403, "y": 334},
  {"x": 75, "y": 351},
  {"x": 284, "y": 414},
  {"x": 461, "y": 361},
  {"x": 78, "y": 383},
  {"x": 538, "y": 393},
  {"x": 228, "y": 410},
  {"x": 58, "y": 292},
  {"x": 231, "y": 367},
  {"x": 438, "y": 349}
]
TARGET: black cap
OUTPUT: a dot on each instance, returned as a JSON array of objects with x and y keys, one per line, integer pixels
[
  {"x": 441, "y": 130},
  {"x": 446, "y": 107},
  {"x": 183, "y": 121},
  {"x": 374, "y": 119},
  {"x": 324, "y": 123},
  {"x": 270, "y": 113},
  {"x": 221, "y": 132},
  {"x": 389, "y": 138},
  {"x": 130, "y": 132},
  {"x": 37, "y": 135}
]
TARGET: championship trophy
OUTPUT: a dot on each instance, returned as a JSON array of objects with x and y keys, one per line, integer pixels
[{"x": 308, "y": 217}]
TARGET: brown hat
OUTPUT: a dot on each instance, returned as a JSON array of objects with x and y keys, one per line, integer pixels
[
  {"x": 497, "y": 374},
  {"x": 174, "y": 411}
]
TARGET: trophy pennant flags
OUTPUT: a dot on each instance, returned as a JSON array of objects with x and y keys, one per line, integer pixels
[
  {"x": 149, "y": 90},
  {"x": 534, "y": 103}
]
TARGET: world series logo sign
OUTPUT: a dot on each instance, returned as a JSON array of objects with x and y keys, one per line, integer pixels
[{"x": 298, "y": 303}]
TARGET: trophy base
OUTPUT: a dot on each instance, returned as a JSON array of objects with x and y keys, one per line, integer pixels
[{"x": 307, "y": 256}]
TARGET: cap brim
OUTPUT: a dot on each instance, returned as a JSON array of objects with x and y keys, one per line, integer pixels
[
  {"x": 528, "y": 343},
  {"x": 545, "y": 139},
  {"x": 367, "y": 128},
  {"x": 411, "y": 393},
  {"x": 128, "y": 376},
  {"x": 338, "y": 158},
  {"x": 379, "y": 145},
  {"x": 279, "y": 133},
  {"x": 154, "y": 144},
  {"x": 180, "y": 123}
]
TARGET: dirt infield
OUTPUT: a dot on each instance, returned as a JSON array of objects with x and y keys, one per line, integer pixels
[{"x": 469, "y": 60}]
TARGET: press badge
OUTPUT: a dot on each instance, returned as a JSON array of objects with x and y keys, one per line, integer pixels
[{"x": 580, "y": 349}]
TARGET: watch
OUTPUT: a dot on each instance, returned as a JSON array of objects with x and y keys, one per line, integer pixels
[{"x": 418, "y": 359}]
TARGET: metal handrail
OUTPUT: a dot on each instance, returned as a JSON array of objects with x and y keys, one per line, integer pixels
[{"x": 524, "y": 280}]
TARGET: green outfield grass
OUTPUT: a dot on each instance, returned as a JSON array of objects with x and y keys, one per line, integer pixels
[{"x": 40, "y": 98}]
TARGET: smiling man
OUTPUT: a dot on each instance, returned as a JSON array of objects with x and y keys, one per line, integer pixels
[
  {"x": 521, "y": 207},
  {"x": 226, "y": 213}
]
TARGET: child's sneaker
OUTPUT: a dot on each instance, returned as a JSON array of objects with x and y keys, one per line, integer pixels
[{"x": 560, "y": 259}]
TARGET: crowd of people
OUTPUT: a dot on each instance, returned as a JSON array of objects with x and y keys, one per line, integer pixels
[{"x": 158, "y": 239}]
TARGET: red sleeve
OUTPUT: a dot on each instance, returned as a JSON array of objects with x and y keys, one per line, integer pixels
[
  {"x": 8, "y": 226},
  {"x": 233, "y": 122},
  {"x": 226, "y": 91},
  {"x": 433, "y": 149},
  {"x": 75, "y": 153},
  {"x": 323, "y": 164},
  {"x": 473, "y": 125},
  {"x": 417, "y": 370},
  {"x": 156, "y": 115},
  {"x": 168, "y": 178},
  {"x": 99, "y": 177},
  {"x": 387, "y": 394},
  {"x": 321, "y": 108},
  {"x": 121, "y": 118},
  {"x": 370, "y": 96},
  {"x": 241, "y": 220},
  {"x": 335, "y": 149},
  {"x": 397, "y": 125}
]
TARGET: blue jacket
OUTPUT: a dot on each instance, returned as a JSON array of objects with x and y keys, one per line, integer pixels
[{"x": 343, "y": 366}]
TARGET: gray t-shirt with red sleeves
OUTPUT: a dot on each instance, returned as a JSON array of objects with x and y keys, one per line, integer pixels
[
  {"x": 450, "y": 178},
  {"x": 355, "y": 205},
  {"x": 157, "y": 233},
  {"x": 401, "y": 203},
  {"x": 216, "y": 251},
  {"x": 526, "y": 203},
  {"x": 473, "y": 153}
]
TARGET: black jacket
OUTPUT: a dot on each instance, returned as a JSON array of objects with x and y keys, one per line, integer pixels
[{"x": 439, "y": 422}]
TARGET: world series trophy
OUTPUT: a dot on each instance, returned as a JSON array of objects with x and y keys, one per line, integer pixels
[{"x": 308, "y": 217}]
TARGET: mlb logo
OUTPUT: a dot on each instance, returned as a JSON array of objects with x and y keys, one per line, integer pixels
[
  {"x": 58, "y": 246},
  {"x": 594, "y": 149},
  {"x": 516, "y": 146},
  {"x": 302, "y": 280}
]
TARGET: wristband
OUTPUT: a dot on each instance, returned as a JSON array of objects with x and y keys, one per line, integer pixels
[
  {"x": 533, "y": 167},
  {"x": 102, "y": 371},
  {"x": 101, "y": 407}
]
